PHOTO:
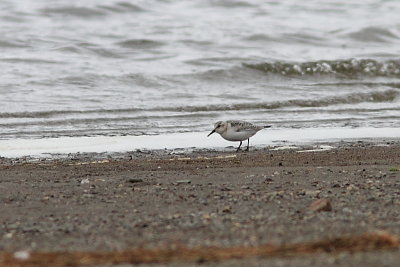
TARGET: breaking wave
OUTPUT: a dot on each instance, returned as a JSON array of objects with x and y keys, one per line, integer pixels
[{"x": 349, "y": 68}]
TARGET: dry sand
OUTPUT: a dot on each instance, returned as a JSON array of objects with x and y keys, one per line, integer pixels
[{"x": 159, "y": 200}]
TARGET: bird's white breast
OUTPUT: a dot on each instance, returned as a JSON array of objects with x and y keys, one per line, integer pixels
[{"x": 232, "y": 135}]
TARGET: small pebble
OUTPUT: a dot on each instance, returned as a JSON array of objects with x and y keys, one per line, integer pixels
[
  {"x": 21, "y": 255},
  {"x": 135, "y": 180},
  {"x": 183, "y": 182},
  {"x": 321, "y": 205}
]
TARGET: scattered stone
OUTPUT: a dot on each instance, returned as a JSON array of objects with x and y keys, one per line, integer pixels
[
  {"x": 21, "y": 255},
  {"x": 351, "y": 188},
  {"x": 227, "y": 209},
  {"x": 276, "y": 193},
  {"x": 312, "y": 193},
  {"x": 135, "y": 180},
  {"x": 85, "y": 181},
  {"x": 226, "y": 189},
  {"x": 8, "y": 235},
  {"x": 321, "y": 205},
  {"x": 347, "y": 210},
  {"x": 183, "y": 182},
  {"x": 206, "y": 216}
]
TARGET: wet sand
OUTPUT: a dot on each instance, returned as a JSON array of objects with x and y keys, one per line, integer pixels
[{"x": 172, "y": 199}]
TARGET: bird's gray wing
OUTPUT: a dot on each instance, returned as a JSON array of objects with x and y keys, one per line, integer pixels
[{"x": 243, "y": 126}]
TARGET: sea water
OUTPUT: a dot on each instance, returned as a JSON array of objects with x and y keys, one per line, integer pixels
[{"x": 166, "y": 67}]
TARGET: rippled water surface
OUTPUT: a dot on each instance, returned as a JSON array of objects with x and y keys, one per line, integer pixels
[{"x": 84, "y": 68}]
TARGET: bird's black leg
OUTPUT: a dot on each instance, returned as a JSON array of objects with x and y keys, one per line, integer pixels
[
  {"x": 239, "y": 146},
  {"x": 248, "y": 143}
]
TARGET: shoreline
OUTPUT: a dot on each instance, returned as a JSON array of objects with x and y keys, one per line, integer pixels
[
  {"x": 204, "y": 198},
  {"x": 193, "y": 152},
  {"x": 46, "y": 147}
]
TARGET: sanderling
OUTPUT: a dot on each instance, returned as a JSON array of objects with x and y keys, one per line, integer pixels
[{"x": 236, "y": 131}]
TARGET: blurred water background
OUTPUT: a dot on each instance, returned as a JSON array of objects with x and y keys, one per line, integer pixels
[{"x": 113, "y": 68}]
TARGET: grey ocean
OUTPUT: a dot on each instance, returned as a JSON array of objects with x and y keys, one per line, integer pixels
[{"x": 112, "y": 68}]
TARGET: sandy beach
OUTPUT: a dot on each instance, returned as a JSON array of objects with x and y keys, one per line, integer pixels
[{"x": 235, "y": 203}]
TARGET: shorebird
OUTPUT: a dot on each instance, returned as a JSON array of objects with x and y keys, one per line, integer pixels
[{"x": 236, "y": 131}]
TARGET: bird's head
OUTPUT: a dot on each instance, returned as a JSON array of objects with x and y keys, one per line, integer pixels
[{"x": 219, "y": 127}]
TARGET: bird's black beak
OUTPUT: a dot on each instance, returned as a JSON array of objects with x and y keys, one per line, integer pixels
[{"x": 213, "y": 131}]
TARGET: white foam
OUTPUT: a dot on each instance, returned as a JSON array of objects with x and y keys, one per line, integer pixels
[
  {"x": 39, "y": 147},
  {"x": 318, "y": 148}
]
